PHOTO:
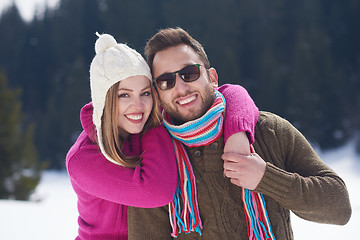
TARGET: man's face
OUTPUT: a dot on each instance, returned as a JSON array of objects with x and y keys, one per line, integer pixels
[{"x": 186, "y": 101}]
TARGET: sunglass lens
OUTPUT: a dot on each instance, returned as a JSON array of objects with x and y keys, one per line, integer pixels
[
  {"x": 166, "y": 81},
  {"x": 190, "y": 73}
]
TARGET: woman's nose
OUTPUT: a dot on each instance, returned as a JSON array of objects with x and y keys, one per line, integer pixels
[{"x": 137, "y": 104}]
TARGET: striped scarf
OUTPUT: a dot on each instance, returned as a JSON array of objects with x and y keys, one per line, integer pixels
[{"x": 183, "y": 210}]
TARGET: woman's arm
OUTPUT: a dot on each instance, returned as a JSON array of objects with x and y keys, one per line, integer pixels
[
  {"x": 150, "y": 185},
  {"x": 240, "y": 119}
]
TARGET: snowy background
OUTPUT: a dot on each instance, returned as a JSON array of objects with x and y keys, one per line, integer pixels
[
  {"x": 52, "y": 213},
  {"x": 28, "y": 8}
]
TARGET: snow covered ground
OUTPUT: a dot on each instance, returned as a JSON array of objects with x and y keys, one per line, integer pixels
[{"x": 52, "y": 215}]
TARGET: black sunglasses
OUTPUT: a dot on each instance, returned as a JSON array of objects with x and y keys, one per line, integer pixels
[{"x": 167, "y": 81}]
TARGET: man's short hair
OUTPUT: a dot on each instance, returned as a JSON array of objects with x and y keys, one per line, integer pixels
[{"x": 171, "y": 37}]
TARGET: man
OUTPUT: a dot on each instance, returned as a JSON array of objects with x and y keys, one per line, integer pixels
[{"x": 283, "y": 173}]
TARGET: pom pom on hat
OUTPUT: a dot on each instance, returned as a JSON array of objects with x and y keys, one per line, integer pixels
[
  {"x": 107, "y": 41},
  {"x": 112, "y": 63}
]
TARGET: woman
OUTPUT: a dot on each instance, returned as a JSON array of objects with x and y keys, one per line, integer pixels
[{"x": 121, "y": 127}]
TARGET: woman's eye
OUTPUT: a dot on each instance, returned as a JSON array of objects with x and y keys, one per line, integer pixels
[
  {"x": 123, "y": 95},
  {"x": 146, "y": 93}
]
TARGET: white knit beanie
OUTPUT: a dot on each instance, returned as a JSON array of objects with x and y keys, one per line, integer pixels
[{"x": 112, "y": 63}]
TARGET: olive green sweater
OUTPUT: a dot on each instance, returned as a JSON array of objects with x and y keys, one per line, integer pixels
[{"x": 295, "y": 179}]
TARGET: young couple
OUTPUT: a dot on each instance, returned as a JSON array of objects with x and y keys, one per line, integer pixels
[{"x": 209, "y": 167}]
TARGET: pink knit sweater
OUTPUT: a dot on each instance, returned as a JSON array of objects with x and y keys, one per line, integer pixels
[{"x": 105, "y": 189}]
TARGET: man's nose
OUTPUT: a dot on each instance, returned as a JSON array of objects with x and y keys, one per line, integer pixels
[{"x": 180, "y": 84}]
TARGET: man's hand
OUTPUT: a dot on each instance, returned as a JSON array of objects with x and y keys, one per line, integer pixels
[{"x": 244, "y": 170}]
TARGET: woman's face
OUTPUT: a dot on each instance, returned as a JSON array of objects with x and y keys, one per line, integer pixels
[{"x": 134, "y": 104}]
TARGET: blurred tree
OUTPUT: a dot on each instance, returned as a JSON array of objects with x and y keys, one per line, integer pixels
[
  {"x": 312, "y": 90},
  {"x": 341, "y": 22},
  {"x": 70, "y": 39},
  {"x": 299, "y": 59},
  {"x": 19, "y": 172},
  {"x": 128, "y": 22},
  {"x": 13, "y": 29},
  {"x": 62, "y": 119}
]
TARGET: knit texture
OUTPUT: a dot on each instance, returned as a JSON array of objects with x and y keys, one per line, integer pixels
[
  {"x": 184, "y": 212},
  {"x": 104, "y": 189},
  {"x": 295, "y": 179},
  {"x": 242, "y": 109},
  {"x": 257, "y": 218},
  {"x": 112, "y": 63}
]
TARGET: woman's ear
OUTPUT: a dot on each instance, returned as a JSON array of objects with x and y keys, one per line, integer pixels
[{"x": 213, "y": 77}]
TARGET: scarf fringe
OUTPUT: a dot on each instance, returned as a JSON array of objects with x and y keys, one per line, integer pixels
[
  {"x": 257, "y": 219},
  {"x": 188, "y": 219},
  {"x": 184, "y": 212}
]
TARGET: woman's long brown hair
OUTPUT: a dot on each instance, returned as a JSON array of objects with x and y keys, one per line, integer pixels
[{"x": 110, "y": 131}]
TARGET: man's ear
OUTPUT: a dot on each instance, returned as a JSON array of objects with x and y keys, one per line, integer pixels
[{"x": 213, "y": 77}]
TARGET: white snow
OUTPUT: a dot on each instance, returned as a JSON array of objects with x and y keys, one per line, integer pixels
[
  {"x": 28, "y": 8},
  {"x": 52, "y": 213}
]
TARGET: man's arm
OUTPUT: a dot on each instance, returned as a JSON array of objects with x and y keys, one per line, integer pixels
[{"x": 295, "y": 175}]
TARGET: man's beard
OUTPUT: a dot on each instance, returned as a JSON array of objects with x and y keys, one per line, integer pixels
[{"x": 207, "y": 101}]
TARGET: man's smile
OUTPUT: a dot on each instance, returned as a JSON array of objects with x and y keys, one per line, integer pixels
[{"x": 186, "y": 100}]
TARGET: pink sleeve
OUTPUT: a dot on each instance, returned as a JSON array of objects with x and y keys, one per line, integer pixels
[
  {"x": 241, "y": 112},
  {"x": 152, "y": 184}
]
